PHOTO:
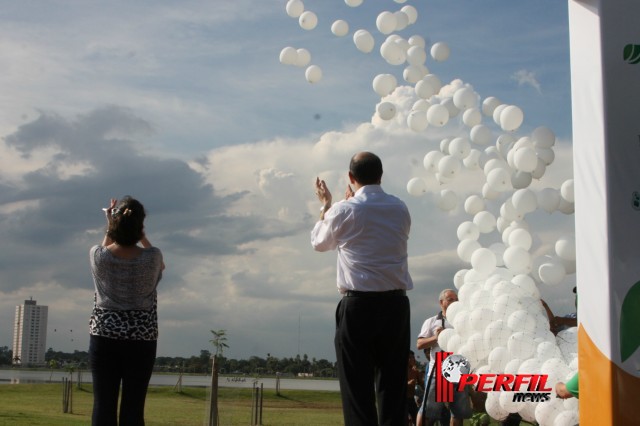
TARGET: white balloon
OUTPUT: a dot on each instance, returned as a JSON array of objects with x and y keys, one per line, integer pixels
[
  {"x": 499, "y": 180},
  {"x": 526, "y": 285},
  {"x": 566, "y": 207},
  {"x": 489, "y": 105},
  {"x": 386, "y": 22},
  {"x": 566, "y": 190},
  {"x": 521, "y": 345},
  {"x": 511, "y": 118},
  {"x": 288, "y": 56},
  {"x": 428, "y": 86},
  {"x": 541, "y": 168},
  {"x": 295, "y": 8},
  {"x": 471, "y": 117},
  {"x": 522, "y": 320},
  {"x": 460, "y": 147},
  {"x": 451, "y": 107},
  {"x": 431, "y": 160},
  {"x": 384, "y": 84},
  {"x": 458, "y": 281},
  {"x": 353, "y": 3},
  {"x": 392, "y": 53},
  {"x": 493, "y": 407},
  {"x": 303, "y": 58},
  {"x": 465, "y": 98},
  {"x": 437, "y": 115},
  {"x": 484, "y": 261},
  {"x": 498, "y": 358},
  {"x": 417, "y": 40},
  {"x": 480, "y": 134},
  {"x": 504, "y": 143},
  {"x": 525, "y": 159},
  {"x": 386, "y": 110},
  {"x": 402, "y": 20},
  {"x": 466, "y": 248},
  {"x": 364, "y": 41},
  {"x": 547, "y": 412},
  {"x": 444, "y": 336},
  {"x": 417, "y": 120},
  {"x": 308, "y": 20},
  {"x": 485, "y": 221},
  {"x": 543, "y": 137},
  {"x": 416, "y": 186},
  {"x": 413, "y": 73},
  {"x": 454, "y": 308},
  {"x": 474, "y": 204},
  {"x": 468, "y": 231},
  {"x": 447, "y": 199},
  {"x": 313, "y": 74},
  {"x": 421, "y": 105},
  {"x": 546, "y": 155},
  {"x": 524, "y": 201},
  {"x": 488, "y": 193},
  {"x": 520, "y": 180},
  {"x": 449, "y": 166},
  {"x": 552, "y": 272},
  {"x": 411, "y": 12},
  {"x": 472, "y": 161},
  {"x": 567, "y": 418},
  {"x": 440, "y": 51},
  {"x": 416, "y": 55},
  {"x": 497, "y": 111},
  {"x": 517, "y": 259},
  {"x": 566, "y": 248},
  {"x": 520, "y": 238},
  {"x": 340, "y": 28}
]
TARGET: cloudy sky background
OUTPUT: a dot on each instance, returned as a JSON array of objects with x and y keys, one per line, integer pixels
[{"x": 185, "y": 106}]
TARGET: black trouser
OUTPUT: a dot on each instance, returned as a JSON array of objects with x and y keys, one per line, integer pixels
[
  {"x": 372, "y": 349},
  {"x": 112, "y": 362}
]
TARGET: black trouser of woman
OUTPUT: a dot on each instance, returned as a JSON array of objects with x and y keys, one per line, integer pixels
[
  {"x": 113, "y": 362},
  {"x": 372, "y": 349}
]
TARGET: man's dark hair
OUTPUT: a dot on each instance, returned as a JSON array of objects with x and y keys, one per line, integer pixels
[{"x": 366, "y": 168}]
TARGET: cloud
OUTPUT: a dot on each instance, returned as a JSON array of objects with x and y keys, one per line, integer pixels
[
  {"x": 527, "y": 78},
  {"x": 233, "y": 223}
]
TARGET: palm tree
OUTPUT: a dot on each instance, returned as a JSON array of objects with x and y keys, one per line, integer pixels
[{"x": 219, "y": 342}]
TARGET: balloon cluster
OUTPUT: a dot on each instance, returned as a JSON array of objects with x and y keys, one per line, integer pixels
[{"x": 500, "y": 324}]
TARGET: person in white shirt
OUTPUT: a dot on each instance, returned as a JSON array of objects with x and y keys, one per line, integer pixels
[
  {"x": 369, "y": 230},
  {"x": 432, "y": 411}
]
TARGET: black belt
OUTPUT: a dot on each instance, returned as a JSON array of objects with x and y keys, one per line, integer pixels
[{"x": 390, "y": 293}]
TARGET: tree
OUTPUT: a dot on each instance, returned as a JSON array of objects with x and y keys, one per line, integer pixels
[{"x": 219, "y": 341}]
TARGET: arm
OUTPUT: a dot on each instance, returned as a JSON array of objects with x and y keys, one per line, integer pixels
[
  {"x": 146, "y": 244},
  {"x": 429, "y": 342},
  {"x": 108, "y": 211},
  {"x": 561, "y": 390}
]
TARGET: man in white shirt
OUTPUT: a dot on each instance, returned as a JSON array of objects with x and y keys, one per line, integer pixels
[
  {"x": 431, "y": 411},
  {"x": 369, "y": 229}
]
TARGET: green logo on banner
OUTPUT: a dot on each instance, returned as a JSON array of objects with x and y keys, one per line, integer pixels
[
  {"x": 631, "y": 53},
  {"x": 629, "y": 320}
]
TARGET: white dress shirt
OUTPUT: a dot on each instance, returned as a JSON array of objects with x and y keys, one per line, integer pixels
[{"x": 370, "y": 231}]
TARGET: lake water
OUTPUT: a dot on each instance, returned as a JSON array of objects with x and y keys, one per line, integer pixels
[{"x": 26, "y": 376}]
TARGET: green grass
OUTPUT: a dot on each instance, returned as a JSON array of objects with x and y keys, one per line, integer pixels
[{"x": 41, "y": 404}]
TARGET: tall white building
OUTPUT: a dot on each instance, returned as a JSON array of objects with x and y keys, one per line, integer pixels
[{"x": 30, "y": 333}]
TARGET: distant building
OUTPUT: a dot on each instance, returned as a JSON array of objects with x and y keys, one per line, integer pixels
[{"x": 30, "y": 333}]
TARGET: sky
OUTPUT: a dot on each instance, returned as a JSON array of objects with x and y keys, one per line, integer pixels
[{"x": 186, "y": 106}]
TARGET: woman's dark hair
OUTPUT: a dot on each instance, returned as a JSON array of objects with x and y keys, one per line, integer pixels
[
  {"x": 127, "y": 224},
  {"x": 366, "y": 168}
]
